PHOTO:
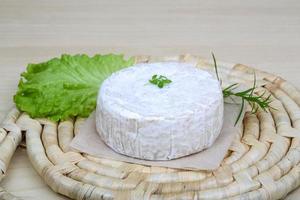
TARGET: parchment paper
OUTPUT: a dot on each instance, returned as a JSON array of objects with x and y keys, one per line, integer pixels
[{"x": 88, "y": 141}]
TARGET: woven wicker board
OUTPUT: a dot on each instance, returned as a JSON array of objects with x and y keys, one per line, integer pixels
[{"x": 262, "y": 162}]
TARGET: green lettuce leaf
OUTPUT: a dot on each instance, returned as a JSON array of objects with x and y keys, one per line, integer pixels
[{"x": 65, "y": 87}]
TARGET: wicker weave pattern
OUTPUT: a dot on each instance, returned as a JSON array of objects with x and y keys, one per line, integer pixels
[
  {"x": 263, "y": 161},
  {"x": 10, "y": 138}
]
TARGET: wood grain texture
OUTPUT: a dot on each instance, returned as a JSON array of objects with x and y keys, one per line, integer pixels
[{"x": 261, "y": 33}]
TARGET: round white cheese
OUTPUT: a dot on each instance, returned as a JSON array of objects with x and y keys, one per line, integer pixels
[{"x": 138, "y": 119}]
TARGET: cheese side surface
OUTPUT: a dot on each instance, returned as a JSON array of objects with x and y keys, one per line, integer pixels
[{"x": 141, "y": 120}]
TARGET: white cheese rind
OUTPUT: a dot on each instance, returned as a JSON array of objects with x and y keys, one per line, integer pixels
[{"x": 138, "y": 119}]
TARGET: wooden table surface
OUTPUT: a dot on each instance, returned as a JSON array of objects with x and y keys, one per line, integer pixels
[{"x": 260, "y": 33}]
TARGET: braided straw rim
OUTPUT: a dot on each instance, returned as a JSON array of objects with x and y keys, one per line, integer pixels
[{"x": 262, "y": 162}]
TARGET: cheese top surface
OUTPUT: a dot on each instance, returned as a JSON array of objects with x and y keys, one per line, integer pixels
[{"x": 130, "y": 93}]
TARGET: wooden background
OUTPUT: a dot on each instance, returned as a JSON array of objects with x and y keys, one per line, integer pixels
[{"x": 260, "y": 33}]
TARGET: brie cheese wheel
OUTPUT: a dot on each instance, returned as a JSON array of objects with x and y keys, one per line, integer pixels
[{"x": 138, "y": 119}]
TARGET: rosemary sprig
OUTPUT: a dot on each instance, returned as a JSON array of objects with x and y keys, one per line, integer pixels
[
  {"x": 216, "y": 66},
  {"x": 160, "y": 80},
  {"x": 248, "y": 96},
  {"x": 254, "y": 101}
]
